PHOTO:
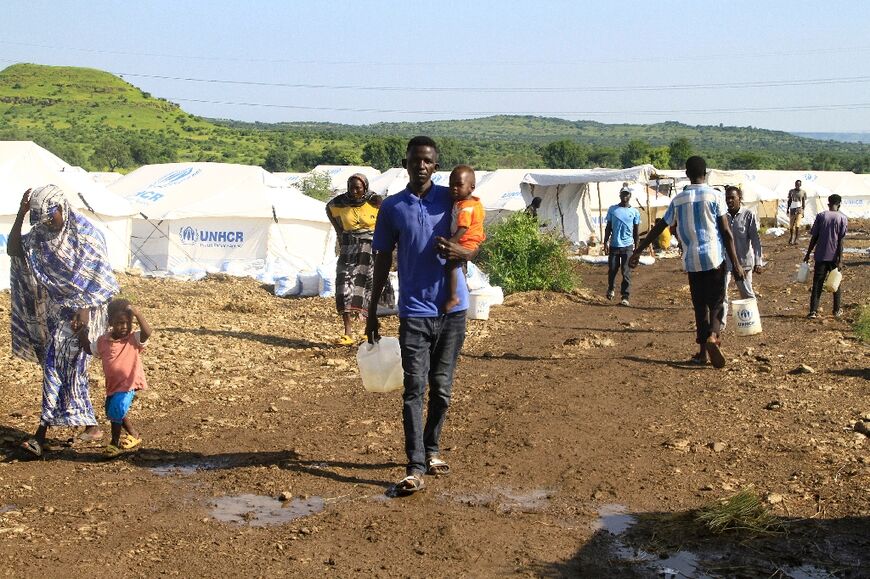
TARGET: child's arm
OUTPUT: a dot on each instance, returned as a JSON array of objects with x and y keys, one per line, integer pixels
[
  {"x": 460, "y": 231},
  {"x": 144, "y": 327}
]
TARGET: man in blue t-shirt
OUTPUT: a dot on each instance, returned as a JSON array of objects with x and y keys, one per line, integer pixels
[
  {"x": 622, "y": 223},
  {"x": 416, "y": 222}
]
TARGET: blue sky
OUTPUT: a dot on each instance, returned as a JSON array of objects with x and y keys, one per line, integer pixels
[{"x": 797, "y": 65}]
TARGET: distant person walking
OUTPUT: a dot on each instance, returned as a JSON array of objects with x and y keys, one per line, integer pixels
[
  {"x": 699, "y": 214},
  {"x": 416, "y": 222},
  {"x": 353, "y": 215},
  {"x": 826, "y": 237},
  {"x": 620, "y": 239},
  {"x": 747, "y": 243},
  {"x": 795, "y": 205}
]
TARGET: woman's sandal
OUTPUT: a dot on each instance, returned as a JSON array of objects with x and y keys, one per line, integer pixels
[
  {"x": 409, "y": 485},
  {"x": 437, "y": 467},
  {"x": 129, "y": 442},
  {"x": 344, "y": 340},
  {"x": 112, "y": 451},
  {"x": 32, "y": 446}
]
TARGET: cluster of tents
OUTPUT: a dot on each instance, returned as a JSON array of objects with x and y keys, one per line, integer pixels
[{"x": 189, "y": 219}]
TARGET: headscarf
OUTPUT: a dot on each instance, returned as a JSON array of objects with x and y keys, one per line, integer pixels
[
  {"x": 346, "y": 200},
  {"x": 69, "y": 267}
]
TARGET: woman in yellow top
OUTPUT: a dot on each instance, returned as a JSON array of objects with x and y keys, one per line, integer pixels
[{"x": 353, "y": 215}]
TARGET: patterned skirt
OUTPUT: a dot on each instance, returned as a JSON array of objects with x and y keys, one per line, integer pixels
[{"x": 353, "y": 276}]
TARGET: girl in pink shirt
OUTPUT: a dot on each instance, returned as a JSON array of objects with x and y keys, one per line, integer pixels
[{"x": 119, "y": 350}]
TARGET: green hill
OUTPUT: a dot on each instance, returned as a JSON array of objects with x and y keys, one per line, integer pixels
[{"x": 99, "y": 121}]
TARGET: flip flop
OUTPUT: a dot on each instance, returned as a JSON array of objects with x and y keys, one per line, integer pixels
[
  {"x": 344, "y": 340},
  {"x": 409, "y": 485},
  {"x": 715, "y": 353},
  {"x": 32, "y": 446},
  {"x": 437, "y": 467},
  {"x": 129, "y": 442}
]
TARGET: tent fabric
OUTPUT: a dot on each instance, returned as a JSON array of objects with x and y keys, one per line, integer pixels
[
  {"x": 578, "y": 176},
  {"x": 204, "y": 217},
  {"x": 339, "y": 174},
  {"x": 24, "y": 165},
  {"x": 389, "y": 182}
]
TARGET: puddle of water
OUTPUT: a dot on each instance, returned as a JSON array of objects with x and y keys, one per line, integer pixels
[
  {"x": 260, "y": 511},
  {"x": 614, "y": 519},
  {"x": 807, "y": 572},
  {"x": 187, "y": 468}
]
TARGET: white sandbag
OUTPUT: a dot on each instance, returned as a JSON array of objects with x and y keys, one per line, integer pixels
[
  {"x": 309, "y": 283},
  {"x": 287, "y": 286},
  {"x": 474, "y": 278},
  {"x": 326, "y": 283}
]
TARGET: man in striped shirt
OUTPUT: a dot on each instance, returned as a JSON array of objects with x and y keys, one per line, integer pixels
[{"x": 699, "y": 214}]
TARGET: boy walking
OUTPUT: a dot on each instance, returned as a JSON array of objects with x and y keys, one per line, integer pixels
[
  {"x": 827, "y": 234},
  {"x": 698, "y": 211},
  {"x": 622, "y": 223},
  {"x": 795, "y": 205},
  {"x": 747, "y": 243}
]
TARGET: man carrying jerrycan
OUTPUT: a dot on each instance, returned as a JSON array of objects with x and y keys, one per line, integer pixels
[
  {"x": 417, "y": 222},
  {"x": 828, "y": 232},
  {"x": 699, "y": 213}
]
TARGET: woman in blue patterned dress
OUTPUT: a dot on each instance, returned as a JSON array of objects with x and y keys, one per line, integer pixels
[{"x": 61, "y": 283}]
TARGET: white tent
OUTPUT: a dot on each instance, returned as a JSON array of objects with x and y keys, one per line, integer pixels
[
  {"x": 389, "y": 182},
  {"x": 339, "y": 174},
  {"x": 574, "y": 202},
  {"x": 24, "y": 165},
  {"x": 443, "y": 177},
  {"x": 286, "y": 179},
  {"x": 200, "y": 217},
  {"x": 757, "y": 196}
]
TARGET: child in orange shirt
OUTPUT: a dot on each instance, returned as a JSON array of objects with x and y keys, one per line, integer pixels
[
  {"x": 468, "y": 215},
  {"x": 119, "y": 350}
]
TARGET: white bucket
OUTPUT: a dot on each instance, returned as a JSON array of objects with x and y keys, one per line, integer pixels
[
  {"x": 478, "y": 305},
  {"x": 380, "y": 365},
  {"x": 832, "y": 280},
  {"x": 803, "y": 273},
  {"x": 747, "y": 320}
]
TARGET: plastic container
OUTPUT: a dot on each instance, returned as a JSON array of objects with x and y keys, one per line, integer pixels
[
  {"x": 478, "y": 305},
  {"x": 803, "y": 273},
  {"x": 309, "y": 283},
  {"x": 380, "y": 365},
  {"x": 747, "y": 320},
  {"x": 832, "y": 280}
]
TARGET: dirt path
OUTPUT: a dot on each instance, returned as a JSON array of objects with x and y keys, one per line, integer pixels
[{"x": 563, "y": 404}]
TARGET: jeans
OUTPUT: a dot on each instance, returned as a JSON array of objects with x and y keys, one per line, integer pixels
[
  {"x": 708, "y": 300},
  {"x": 820, "y": 272},
  {"x": 618, "y": 259},
  {"x": 430, "y": 349},
  {"x": 744, "y": 286}
]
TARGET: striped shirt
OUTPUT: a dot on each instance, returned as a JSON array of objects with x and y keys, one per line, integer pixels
[{"x": 695, "y": 211}]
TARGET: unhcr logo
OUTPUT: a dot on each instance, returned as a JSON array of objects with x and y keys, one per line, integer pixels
[
  {"x": 151, "y": 193},
  {"x": 745, "y": 315},
  {"x": 215, "y": 238}
]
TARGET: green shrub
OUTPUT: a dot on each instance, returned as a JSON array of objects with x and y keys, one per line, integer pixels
[
  {"x": 519, "y": 257},
  {"x": 862, "y": 324}
]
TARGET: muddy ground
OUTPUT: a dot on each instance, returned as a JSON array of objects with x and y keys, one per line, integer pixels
[{"x": 564, "y": 406}]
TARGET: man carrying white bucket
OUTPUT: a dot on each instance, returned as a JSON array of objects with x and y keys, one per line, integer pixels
[
  {"x": 747, "y": 243},
  {"x": 698, "y": 211}
]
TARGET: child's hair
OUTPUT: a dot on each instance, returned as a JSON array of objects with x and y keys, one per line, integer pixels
[
  {"x": 460, "y": 169},
  {"x": 117, "y": 306}
]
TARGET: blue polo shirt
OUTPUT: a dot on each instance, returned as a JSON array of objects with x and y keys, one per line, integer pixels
[{"x": 411, "y": 223}]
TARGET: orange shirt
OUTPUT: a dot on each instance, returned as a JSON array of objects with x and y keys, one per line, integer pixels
[
  {"x": 469, "y": 213},
  {"x": 122, "y": 364}
]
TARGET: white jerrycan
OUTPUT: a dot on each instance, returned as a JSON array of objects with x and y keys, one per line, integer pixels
[{"x": 380, "y": 365}]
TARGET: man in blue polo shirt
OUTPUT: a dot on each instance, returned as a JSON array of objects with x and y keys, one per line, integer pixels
[{"x": 417, "y": 222}]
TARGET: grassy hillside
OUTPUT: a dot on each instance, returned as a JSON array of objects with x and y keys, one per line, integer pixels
[{"x": 99, "y": 121}]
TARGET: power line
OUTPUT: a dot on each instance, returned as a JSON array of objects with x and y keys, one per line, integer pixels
[
  {"x": 530, "y": 89},
  {"x": 580, "y": 61}
]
